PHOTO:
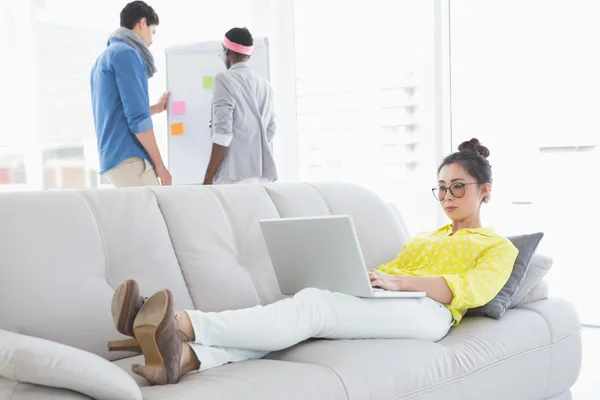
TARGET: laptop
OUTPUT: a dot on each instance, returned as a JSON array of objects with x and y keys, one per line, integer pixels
[{"x": 322, "y": 253}]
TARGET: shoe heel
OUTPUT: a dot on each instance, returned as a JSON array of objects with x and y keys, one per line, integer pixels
[
  {"x": 146, "y": 326},
  {"x": 131, "y": 345},
  {"x": 122, "y": 297}
]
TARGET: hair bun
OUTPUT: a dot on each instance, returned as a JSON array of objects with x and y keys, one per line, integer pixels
[{"x": 476, "y": 146}]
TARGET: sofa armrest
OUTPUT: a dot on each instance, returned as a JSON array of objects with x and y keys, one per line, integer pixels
[{"x": 38, "y": 361}]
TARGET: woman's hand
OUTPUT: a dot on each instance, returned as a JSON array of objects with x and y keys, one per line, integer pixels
[{"x": 385, "y": 281}]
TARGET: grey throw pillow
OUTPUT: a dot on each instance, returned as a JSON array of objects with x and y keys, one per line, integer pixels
[{"x": 526, "y": 244}]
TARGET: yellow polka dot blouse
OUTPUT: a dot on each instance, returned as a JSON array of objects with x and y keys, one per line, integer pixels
[{"x": 476, "y": 263}]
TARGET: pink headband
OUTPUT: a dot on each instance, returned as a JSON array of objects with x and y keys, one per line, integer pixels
[{"x": 238, "y": 48}]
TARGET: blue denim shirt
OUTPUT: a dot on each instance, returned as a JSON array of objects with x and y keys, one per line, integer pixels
[{"x": 120, "y": 103}]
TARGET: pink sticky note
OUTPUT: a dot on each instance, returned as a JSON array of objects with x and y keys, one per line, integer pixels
[{"x": 178, "y": 107}]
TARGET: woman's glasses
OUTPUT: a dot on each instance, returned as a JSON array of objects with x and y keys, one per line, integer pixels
[{"x": 457, "y": 190}]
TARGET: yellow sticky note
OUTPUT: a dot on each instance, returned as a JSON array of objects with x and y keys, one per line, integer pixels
[
  {"x": 177, "y": 129},
  {"x": 207, "y": 82}
]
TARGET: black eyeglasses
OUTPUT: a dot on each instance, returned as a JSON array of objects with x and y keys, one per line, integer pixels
[{"x": 457, "y": 190}]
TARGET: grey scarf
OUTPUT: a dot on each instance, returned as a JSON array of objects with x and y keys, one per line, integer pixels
[{"x": 130, "y": 37}]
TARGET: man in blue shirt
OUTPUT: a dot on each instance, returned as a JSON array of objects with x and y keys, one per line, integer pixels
[{"x": 129, "y": 155}]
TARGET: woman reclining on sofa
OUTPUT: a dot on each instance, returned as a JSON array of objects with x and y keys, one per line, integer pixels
[{"x": 460, "y": 266}]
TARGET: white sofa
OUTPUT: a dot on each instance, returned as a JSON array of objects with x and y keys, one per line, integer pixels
[{"x": 62, "y": 253}]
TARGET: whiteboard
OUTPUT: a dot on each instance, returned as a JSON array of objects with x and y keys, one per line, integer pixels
[{"x": 188, "y": 67}]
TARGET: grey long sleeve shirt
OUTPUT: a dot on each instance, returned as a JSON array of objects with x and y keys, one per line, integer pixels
[{"x": 244, "y": 121}]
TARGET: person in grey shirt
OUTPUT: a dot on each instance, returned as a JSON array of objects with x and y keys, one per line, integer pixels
[{"x": 243, "y": 118}]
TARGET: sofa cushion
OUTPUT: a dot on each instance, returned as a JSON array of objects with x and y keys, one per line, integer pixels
[
  {"x": 42, "y": 362},
  {"x": 63, "y": 252},
  {"x": 136, "y": 241},
  {"x": 380, "y": 235},
  {"x": 249, "y": 380},
  {"x": 480, "y": 342},
  {"x": 396, "y": 368},
  {"x": 499, "y": 357},
  {"x": 526, "y": 244},
  {"x": 216, "y": 236},
  {"x": 45, "y": 254},
  {"x": 473, "y": 356}
]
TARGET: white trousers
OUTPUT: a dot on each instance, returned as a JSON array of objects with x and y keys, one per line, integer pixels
[{"x": 251, "y": 333}]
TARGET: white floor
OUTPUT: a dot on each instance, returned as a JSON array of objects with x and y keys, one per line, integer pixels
[{"x": 587, "y": 387}]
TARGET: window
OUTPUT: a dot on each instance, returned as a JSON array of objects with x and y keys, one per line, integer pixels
[
  {"x": 12, "y": 168},
  {"x": 365, "y": 98},
  {"x": 531, "y": 95},
  {"x": 48, "y": 140}
]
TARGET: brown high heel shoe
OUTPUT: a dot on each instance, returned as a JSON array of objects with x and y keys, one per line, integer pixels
[
  {"x": 156, "y": 331},
  {"x": 126, "y": 303},
  {"x": 156, "y": 376}
]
